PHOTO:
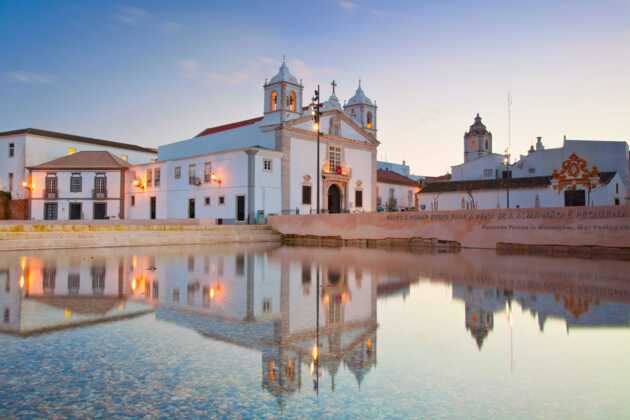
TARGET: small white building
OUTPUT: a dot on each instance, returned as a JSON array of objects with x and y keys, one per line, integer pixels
[
  {"x": 580, "y": 173},
  {"x": 20, "y": 149},
  {"x": 395, "y": 191},
  {"x": 237, "y": 185},
  {"x": 81, "y": 186}
]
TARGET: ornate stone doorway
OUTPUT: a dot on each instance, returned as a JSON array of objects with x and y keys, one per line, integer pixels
[{"x": 334, "y": 199}]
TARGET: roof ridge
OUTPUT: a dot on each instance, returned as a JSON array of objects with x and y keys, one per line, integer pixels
[
  {"x": 228, "y": 126},
  {"x": 76, "y": 137}
]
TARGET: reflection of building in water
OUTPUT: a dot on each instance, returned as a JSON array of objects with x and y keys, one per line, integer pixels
[
  {"x": 267, "y": 301},
  {"x": 55, "y": 291},
  {"x": 481, "y": 304},
  {"x": 575, "y": 310}
]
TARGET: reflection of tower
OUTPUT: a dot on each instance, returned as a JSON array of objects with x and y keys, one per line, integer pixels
[
  {"x": 479, "y": 322},
  {"x": 481, "y": 304},
  {"x": 281, "y": 372},
  {"x": 362, "y": 357}
]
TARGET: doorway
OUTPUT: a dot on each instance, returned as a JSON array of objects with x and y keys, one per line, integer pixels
[
  {"x": 240, "y": 208},
  {"x": 573, "y": 198},
  {"x": 75, "y": 211},
  {"x": 191, "y": 208},
  {"x": 100, "y": 211},
  {"x": 334, "y": 199},
  {"x": 153, "y": 208}
]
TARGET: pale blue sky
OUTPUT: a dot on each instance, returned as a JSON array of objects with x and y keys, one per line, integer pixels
[{"x": 152, "y": 72}]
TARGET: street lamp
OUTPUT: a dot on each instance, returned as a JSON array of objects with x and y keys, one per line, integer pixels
[
  {"x": 507, "y": 174},
  {"x": 317, "y": 112}
]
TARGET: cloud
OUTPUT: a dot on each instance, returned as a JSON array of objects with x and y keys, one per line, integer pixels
[
  {"x": 130, "y": 15},
  {"x": 347, "y": 5},
  {"x": 28, "y": 77},
  {"x": 171, "y": 27}
]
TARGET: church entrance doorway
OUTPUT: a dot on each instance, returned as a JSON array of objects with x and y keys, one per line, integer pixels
[
  {"x": 334, "y": 199},
  {"x": 574, "y": 198}
]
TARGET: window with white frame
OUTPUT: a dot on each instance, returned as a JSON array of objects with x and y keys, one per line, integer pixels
[
  {"x": 156, "y": 177},
  {"x": 100, "y": 183},
  {"x": 334, "y": 157},
  {"x": 11, "y": 150},
  {"x": 192, "y": 174},
  {"x": 267, "y": 165},
  {"x": 178, "y": 172},
  {"x": 488, "y": 173},
  {"x": 149, "y": 177},
  {"x": 51, "y": 183},
  {"x": 207, "y": 172},
  {"x": 76, "y": 182}
]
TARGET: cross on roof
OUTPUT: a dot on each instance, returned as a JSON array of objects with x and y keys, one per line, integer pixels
[{"x": 334, "y": 85}]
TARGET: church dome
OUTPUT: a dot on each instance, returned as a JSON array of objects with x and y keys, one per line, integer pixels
[
  {"x": 284, "y": 75},
  {"x": 478, "y": 127},
  {"x": 359, "y": 97}
]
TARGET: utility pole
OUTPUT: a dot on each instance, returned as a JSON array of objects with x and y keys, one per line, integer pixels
[{"x": 316, "y": 116}]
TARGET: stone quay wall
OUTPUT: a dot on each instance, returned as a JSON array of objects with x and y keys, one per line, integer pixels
[
  {"x": 601, "y": 230},
  {"x": 96, "y": 234}
]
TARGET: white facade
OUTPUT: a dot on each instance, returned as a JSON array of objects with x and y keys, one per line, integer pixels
[
  {"x": 216, "y": 183},
  {"x": 581, "y": 172},
  {"x": 347, "y": 165},
  {"x": 396, "y": 196},
  {"x": 85, "y": 202},
  {"x": 32, "y": 147}
]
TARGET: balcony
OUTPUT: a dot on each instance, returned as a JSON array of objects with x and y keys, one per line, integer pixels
[
  {"x": 194, "y": 180},
  {"x": 50, "y": 194},
  {"x": 99, "y": 194},
  {"x": 338, "y": 170}
]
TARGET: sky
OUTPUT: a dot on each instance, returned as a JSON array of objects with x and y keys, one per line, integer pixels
[{"x": 155, "y": 72}]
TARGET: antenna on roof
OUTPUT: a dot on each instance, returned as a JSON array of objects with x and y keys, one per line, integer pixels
[{"x": 509, "y": 109}]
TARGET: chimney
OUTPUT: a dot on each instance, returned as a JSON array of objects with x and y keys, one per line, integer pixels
[{"x": 539, "y": 143}]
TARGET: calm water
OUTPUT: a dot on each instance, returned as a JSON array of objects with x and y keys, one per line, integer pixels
[{"x": 200, "y": 331}]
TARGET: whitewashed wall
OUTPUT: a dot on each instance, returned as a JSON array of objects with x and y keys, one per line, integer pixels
[
  {"x": 65, "y": 197},
  {"x": 401, "y": 194},
  {"x": 231, "y": 167}
]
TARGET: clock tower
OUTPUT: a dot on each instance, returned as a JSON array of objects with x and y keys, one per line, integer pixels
[{"x": 477, "y": 141}]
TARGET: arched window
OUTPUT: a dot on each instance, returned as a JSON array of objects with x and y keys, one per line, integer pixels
[
  {"x": 274, "y": 101},
  {"x": 369, "y": 120},
  {"x": 292, "y": 101}
]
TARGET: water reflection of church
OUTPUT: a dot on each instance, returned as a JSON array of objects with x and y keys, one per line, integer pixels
[
  {"x": 267, "y": 301},
  {"x": 481, "y": 305}
]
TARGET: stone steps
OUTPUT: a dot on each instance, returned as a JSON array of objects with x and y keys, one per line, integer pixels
[{"x": 128, "y": 236}]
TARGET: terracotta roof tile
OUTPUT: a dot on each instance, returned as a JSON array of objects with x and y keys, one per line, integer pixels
[
  {"x": 85, "y": 160},
  {"x": 498, "y": 184},
  {"x": 230, "y": 126},
  {"x": 79, "y": 139},
  {"x": 391, "y": 177}
]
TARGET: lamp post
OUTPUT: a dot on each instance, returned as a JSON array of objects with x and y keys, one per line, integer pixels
[
  {"x": 316, "y": 116},
  {"x": 507, "y": 174}
]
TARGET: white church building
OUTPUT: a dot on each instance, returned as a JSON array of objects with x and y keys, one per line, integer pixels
[
  {"x": 579, "y": 173},
  {"x": 246, "y": 170}
]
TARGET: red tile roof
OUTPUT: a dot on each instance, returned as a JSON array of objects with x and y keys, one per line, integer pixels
[
  {"x": 498, "y": 184},
  {"x": 391, "y": 177},
  {"x": 80, "y": 139},
  {"x": 226, "y": 127},
  {"x": 86, "y": 160}
]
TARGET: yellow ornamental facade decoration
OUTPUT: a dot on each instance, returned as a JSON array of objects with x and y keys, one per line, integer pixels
[{"x": 573, "y": 173}]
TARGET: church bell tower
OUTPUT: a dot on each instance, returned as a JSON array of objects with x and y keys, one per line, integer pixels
[
  {"x": 283, "y": 96},
  {"x": 362, "y": 110},
  {"x": 477, "y": 141}
]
